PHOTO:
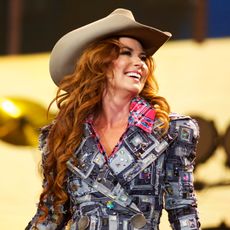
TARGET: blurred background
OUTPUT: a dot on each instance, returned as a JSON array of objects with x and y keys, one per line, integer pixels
[{"x": 192, "y": 70}]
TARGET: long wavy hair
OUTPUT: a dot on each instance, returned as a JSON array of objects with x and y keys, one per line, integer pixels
[{"x": 79, "y": 95}]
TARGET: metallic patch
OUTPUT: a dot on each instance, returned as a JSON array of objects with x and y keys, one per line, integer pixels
[
  {"x": 113, "y": 222},
  {"x": 99, "y": 160},
  {"x": 185, "y": 134},
  {"x": 121, "y": 160},
  {"x": 136, "y": 141},
  {"x": 188, "y": 222},
  {"x": 138, "y": 221}
]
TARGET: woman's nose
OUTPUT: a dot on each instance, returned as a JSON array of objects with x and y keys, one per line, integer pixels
[{"x": 138, "y": 62}]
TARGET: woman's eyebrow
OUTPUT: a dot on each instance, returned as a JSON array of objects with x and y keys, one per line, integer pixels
[
  {"x": 127, "y": 47},
  {"x": 131, "y": 49}
]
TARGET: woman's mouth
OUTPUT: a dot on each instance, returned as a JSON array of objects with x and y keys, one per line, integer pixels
[{"x": 134, "y": 75}]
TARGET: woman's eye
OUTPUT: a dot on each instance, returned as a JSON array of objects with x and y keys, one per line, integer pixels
[
  {"x": 126, "y": 52},
  {"x": 129, "y": 53},
  {"x": 143, "y": 58}
]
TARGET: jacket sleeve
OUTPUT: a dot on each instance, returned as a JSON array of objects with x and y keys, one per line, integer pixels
[
  {"x": 180, "y": 199},
  {"x": 50, "y": 222}
]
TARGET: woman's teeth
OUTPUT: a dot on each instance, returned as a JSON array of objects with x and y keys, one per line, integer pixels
[{"x": 134, "y": 75}]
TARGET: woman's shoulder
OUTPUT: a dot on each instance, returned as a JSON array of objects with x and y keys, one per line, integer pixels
[{"x": 184, "y": 124}]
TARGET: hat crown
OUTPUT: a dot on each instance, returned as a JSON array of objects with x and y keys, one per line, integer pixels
[
  {"x": 124, "y": 12},
  {"x": 120, "y": 22}
]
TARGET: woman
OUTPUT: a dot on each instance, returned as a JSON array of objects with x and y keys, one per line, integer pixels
[{"x": 114, "y": 157}]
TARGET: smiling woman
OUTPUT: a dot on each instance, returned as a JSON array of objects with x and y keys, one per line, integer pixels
[
  {"x": 30, "y": 72},
  {"x": 114, "y": 157}
]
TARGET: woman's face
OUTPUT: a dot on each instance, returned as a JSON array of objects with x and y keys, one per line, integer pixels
[{"x": 128, "y": 73}]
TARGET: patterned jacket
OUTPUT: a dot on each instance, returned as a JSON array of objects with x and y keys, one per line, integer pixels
[{"x": 145, "y": 174}]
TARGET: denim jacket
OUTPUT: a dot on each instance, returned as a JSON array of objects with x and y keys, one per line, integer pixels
[{"x": 142, "y": 189}]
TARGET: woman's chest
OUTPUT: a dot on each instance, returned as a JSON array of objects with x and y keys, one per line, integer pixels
[
  {"x": 136, "y": 167},
  {"x": 110, "y": 139},
  {"x": 124, "y": 173},
  {"x": 147, "y": 184}
]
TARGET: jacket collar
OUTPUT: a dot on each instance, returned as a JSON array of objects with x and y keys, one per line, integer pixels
[{"x": 141, "y": 115}]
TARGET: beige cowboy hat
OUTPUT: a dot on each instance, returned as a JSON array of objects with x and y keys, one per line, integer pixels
[{"x": 120, "y": 22}]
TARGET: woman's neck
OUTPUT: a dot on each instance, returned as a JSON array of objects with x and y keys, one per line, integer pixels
[{"x": 115, "y": 111}]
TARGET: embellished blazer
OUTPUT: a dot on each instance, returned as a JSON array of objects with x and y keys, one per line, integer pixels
[{"x": 146, "y": 173}]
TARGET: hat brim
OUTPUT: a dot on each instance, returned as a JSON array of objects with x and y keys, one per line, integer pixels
[{"x": 70, "y": 47}]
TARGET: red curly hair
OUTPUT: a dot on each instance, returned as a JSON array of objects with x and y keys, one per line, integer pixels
[{"x": 78, "y": 96}]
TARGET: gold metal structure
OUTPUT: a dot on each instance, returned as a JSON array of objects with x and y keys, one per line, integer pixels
[{"x": 20, "y": 120}]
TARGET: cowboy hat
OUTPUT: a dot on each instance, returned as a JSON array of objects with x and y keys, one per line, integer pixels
[{"x": 120, "y": 22}]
